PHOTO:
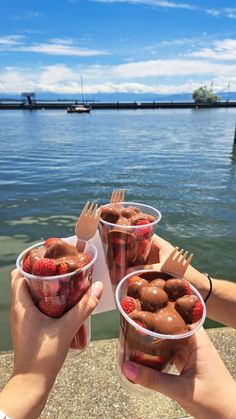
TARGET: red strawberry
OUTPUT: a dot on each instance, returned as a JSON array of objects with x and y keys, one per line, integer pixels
[
  {"x": 80, "y": 340},
  {"x": 197, "y": 312},
  {"x": 145, "y": 232},
  {"x": 43, "y": 288},
  {"x": 62, "y": 269},
  {"x": 128, "y": 304},
  {"x": 26, "y": 264},
  {"x": 52, "y": 306},
  {"x": 188, "y": 289},
  {"x": 190, "y": 308},
  {"x": 50, "y": 241},
  {"x": 44, "y": 267},
  {"x": 152, "y": 361},
  {"x": 120, "y": 257},
  {"x": 135, "y": 283}
]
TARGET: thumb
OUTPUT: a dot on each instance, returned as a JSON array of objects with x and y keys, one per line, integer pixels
[
  {"x": 171, "y": 385},
  {"x": 84, "y": 308}
]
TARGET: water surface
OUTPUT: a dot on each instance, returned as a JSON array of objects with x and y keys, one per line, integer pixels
[{"x": 181, "y": 161}]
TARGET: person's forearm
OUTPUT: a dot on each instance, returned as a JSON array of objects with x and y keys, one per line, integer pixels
[
  {"x": 221, "y": 305},
  {"x": 23, "y": 397}
]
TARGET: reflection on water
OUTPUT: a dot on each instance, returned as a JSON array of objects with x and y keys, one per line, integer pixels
[{"x": 180, "y": 161}]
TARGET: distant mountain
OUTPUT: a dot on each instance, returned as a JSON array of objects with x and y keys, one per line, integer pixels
[{"x": 119, "y": 97}]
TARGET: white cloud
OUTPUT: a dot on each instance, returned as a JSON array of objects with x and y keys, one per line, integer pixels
[
  {"x": 157, "y": 3},
  {"x": 165, "y": 76},
  {"x": 60, "y": 47},
  {"x": 220, "y": 50}
]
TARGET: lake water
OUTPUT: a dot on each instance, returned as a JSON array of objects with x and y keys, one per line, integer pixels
[{"x": 180, "y": 161}]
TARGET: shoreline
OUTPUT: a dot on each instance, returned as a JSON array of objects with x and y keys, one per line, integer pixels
[{"x": 49, "y": 105}]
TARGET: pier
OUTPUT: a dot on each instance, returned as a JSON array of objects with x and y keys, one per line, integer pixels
[{"x": 62, "y": 104}]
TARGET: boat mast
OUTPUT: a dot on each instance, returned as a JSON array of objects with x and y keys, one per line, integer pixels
[{"x": 82, "y": 88}]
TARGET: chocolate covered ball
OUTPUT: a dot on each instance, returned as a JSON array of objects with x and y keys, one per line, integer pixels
[
  {"x": 135, "y": 283},
  {"x": 176, "y": 288},
  {"x": 185, "y": 306},
  {"x": 159, "y": 282},
  {"x": 152, "y": 298}
]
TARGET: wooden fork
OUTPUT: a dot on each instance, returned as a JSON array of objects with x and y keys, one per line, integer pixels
[
  {"x": 176, "y": 263},
  {"x": 118, "y": 195},
  {"x": 87, "y": 223}
]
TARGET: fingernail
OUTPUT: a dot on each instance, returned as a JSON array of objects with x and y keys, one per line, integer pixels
[
  {"x": 97, "y": 289},
  {"x": 130, "y": 370}
]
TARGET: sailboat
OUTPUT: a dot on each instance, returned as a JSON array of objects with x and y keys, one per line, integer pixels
[{"x": 82, "y": 107}]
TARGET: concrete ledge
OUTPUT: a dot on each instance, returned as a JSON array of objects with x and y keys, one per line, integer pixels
[{"x": 88, "y": 386}]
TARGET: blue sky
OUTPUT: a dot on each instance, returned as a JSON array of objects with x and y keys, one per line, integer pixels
[{"x": 118, "y": 46}]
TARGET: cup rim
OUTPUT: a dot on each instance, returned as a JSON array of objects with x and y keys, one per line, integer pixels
[
  {"x": 149, "y": 332},
  {"x": 50, "y": 278},
  {"x": 158, "y": 213}
]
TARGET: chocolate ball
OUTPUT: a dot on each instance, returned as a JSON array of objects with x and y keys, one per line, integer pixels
[
  {"x": 135, "y": 283},
  {"x": 176, "y": 288},
  {"x": 159, "y": 282},
  {"x": 152, "y": 298},
  {"x": 185, "y": 305}
]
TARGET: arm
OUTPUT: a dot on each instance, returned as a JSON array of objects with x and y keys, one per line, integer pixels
[
  {"x": 221, "y": 305},
  {"x": 40, "y": 348},
  {"x": 204, "y": 388}
]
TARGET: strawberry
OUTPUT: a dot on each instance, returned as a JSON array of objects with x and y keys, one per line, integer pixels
[
  {"x": 135, "y": 283},
  {"x": 187, "y": 287},
  {"x": 26, "y": 264},
  {"x": 190, "y": 308},
  {"x": 145, "y": 232},
  {"x": 45, "y": 288},
  {"x": 50, "y": 241},
  {"x": 52, "y": 306},
  {"x": 152, "y": 361},
  {"x": 44, "y": 267},
  {"x": 62, "y": 269},
  {"x": 80, "y": 340},
  {"x": 197, "y": 312},
  {"x": 128, "y": 304}
]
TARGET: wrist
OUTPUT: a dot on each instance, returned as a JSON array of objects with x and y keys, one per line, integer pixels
[{"x": 198, "y": 280}]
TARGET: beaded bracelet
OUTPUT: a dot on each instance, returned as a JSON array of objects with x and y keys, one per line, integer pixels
[{"x": 210, "y": 289}]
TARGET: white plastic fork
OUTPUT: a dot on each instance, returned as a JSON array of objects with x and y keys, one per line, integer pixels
[
  {"x": 87, "y": 223},
  {"x": 117, "y": 196},
  {"x": 176, "y": 263}
]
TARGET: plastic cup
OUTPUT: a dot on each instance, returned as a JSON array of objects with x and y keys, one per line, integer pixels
[
  {"x": 146, "y": 347},
  {"x": 127, "y": 246},
  {"x": 55, "y": 295}
]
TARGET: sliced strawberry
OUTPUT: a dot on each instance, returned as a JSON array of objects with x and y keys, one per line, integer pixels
[
  {"x": 52, "y": 306},
  {"x": 128, "y": 304},
  {"x": 145, "y": 232},
  {"x": 45, "y": 288},
  {"x": 26, "y": 264},
  {"x": 80, "y": 340},
  {"x": 44, "y": 267}
]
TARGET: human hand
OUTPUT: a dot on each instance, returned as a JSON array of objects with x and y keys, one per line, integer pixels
[
  {"x": 40, "y": 342},
  {"x": 204, "y": 388}
]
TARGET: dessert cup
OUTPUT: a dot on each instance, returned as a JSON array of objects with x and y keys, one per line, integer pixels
[
  {"x": 55, "y": 295},
  {"x": 148, "y": 348},
  {"x": 127, "y": 245}
]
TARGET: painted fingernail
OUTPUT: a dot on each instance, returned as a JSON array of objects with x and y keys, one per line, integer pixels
[
  {"x": 130, "y": 370},
  {"x": 97, "y": 289}
]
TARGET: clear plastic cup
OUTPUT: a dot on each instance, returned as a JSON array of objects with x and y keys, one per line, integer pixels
[
  {"x": 127, "y": 246},
  {"x": 55, "y": 295},
  {"x": 146, "y": 347}
]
